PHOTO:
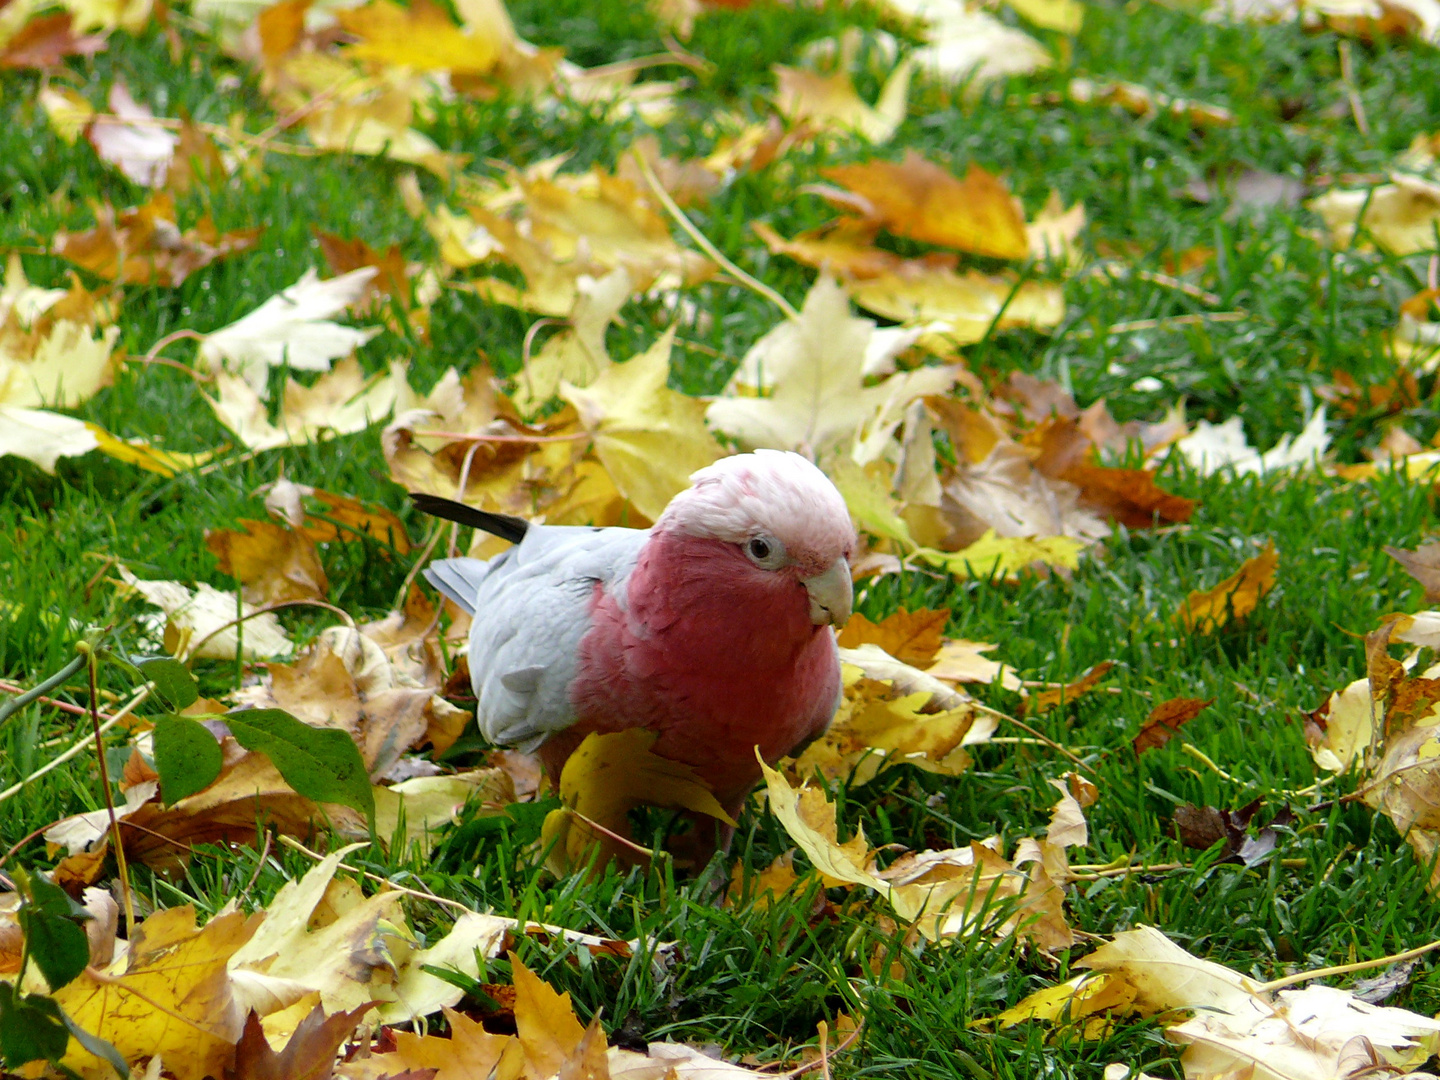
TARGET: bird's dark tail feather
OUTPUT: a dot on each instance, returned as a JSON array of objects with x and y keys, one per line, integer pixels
[{"x": 501, "y": 525}]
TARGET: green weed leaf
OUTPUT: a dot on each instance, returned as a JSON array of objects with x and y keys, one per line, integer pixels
[
  {"x": 187, "y": 757},
  {"x": 323, "y": 764},
  {"x": 172, "y": 679},
  {"x": 54, "y": 939}
]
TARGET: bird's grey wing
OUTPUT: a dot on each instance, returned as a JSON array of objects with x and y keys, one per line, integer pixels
[{"x": 531, "y": 608}]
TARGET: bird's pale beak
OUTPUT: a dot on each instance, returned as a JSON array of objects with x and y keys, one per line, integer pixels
[{"x": 831, "y": 595}]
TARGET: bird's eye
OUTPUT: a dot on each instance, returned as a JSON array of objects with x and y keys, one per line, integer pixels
[{"x": 759, "y": 549}]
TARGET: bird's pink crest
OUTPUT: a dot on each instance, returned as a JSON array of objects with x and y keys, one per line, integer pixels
[{"x": 769, "y": 492}]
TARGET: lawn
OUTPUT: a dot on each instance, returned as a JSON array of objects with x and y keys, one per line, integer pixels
[{"x": 1300, "y": 316}]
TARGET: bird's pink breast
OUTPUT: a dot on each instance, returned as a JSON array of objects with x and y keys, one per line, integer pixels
[{"x": 713, "y": 654}]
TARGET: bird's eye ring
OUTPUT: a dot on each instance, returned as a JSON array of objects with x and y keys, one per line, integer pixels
[{"x": 759, "y": 549}]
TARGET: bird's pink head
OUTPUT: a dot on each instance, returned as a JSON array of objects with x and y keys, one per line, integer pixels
[{"x": 785, "y": 516}]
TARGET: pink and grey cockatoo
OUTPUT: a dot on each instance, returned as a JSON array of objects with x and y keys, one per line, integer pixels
[{"x": 712, "y": 629}]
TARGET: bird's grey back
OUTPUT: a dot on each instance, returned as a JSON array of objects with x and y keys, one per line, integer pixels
[{"x": 531, "y": 607}]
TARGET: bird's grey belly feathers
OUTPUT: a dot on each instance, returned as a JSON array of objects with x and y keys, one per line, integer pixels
[{"x": 531, "y": 606}]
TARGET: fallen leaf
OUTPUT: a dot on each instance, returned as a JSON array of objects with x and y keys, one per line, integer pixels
[
  {"x": 144, "y": 246},
  {"x": 963, "y": 661},
  {"x": 814, "y": 370},
  {"x": 131, "y": 140},
  {"x": 421, "y": 36},
  {"x": 309, "y": 1053},
  {"x": 293, "y": 328},
  {"x": 45, "y": 41},
  {"x": 912, "y": 637},
  {"x": 1165, "y": 721},
  {"x": 1207, "y": 610},
  {"x": 924, "y": 201},
  {"x": 1046, "y": 700},
  {"x": 168, "y": 994},
  {"x": 649, "y": 438},
  {"x": 603, "y": 780},
  {"x": 273, "y": 564},
  {"x": 1422, "y": 564},
  {"x": 199, "y": 623},
  {"x": 1399, "y": 217},
  {"x": 830, "y": 102},
  {"x": 342, "y": 401},
  {"x": 1213, "y": 448}
]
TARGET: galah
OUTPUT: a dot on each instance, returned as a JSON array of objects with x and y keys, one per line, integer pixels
[{"x": 714, "y": 628}]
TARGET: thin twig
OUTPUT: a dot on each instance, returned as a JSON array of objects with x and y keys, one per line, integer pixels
[
  {"x": 1176, "y": 320},
  {"x": 704, "y": 243},
  {"x": 1037, "y": 734},
  {"x": 79, "y": 747},
  {"x": 1113, "y": 269},
  {"x": 624, "y": 841},
  {"x": 811, "y": 1066},
  {"x": 88, "y": 655},
  {"x": 1347, "y": 76},
  {"x": 1346, "y": 969},
  {"x": 38, "y": 691}
]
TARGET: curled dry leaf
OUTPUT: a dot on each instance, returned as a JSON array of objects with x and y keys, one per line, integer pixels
[{"x": 1046, "y": 700}]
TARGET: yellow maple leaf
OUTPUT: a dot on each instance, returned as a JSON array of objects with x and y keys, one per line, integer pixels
[
  {"x": 649, "y": 438},
  {"x": 170, "y": 995},
  {"x": 603, "y": 780}
]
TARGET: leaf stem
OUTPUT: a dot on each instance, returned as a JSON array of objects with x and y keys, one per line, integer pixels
[
  {"x": 1346, "y": 969},
  {"x": 87, "y": 655},
  {"x": 704, "y": 243},
  {"x": 38, "y": 692}
]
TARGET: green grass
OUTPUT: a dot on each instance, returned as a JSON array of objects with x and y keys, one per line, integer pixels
[{"x": 757, "y": 980}]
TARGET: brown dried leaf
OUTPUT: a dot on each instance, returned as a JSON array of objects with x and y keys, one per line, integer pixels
[
  {"x": 1422, "y": 564},
  {"x": 309, "y": 1053},
  {"x": 46, "y": 40},
  {"x": 273, "y": 564},
  {"x": 144, "y": 246},
  {"x": 1046, "y": 700},
  {"x": 1165, "y": 720}
]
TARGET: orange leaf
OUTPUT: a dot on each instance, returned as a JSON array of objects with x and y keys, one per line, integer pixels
[
  {"x": 922, "y": 200},
  {"x": 1234, "y": 598},
  {"x": 1049, "y": 699},
  {"x": 912, "y": 637}
]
